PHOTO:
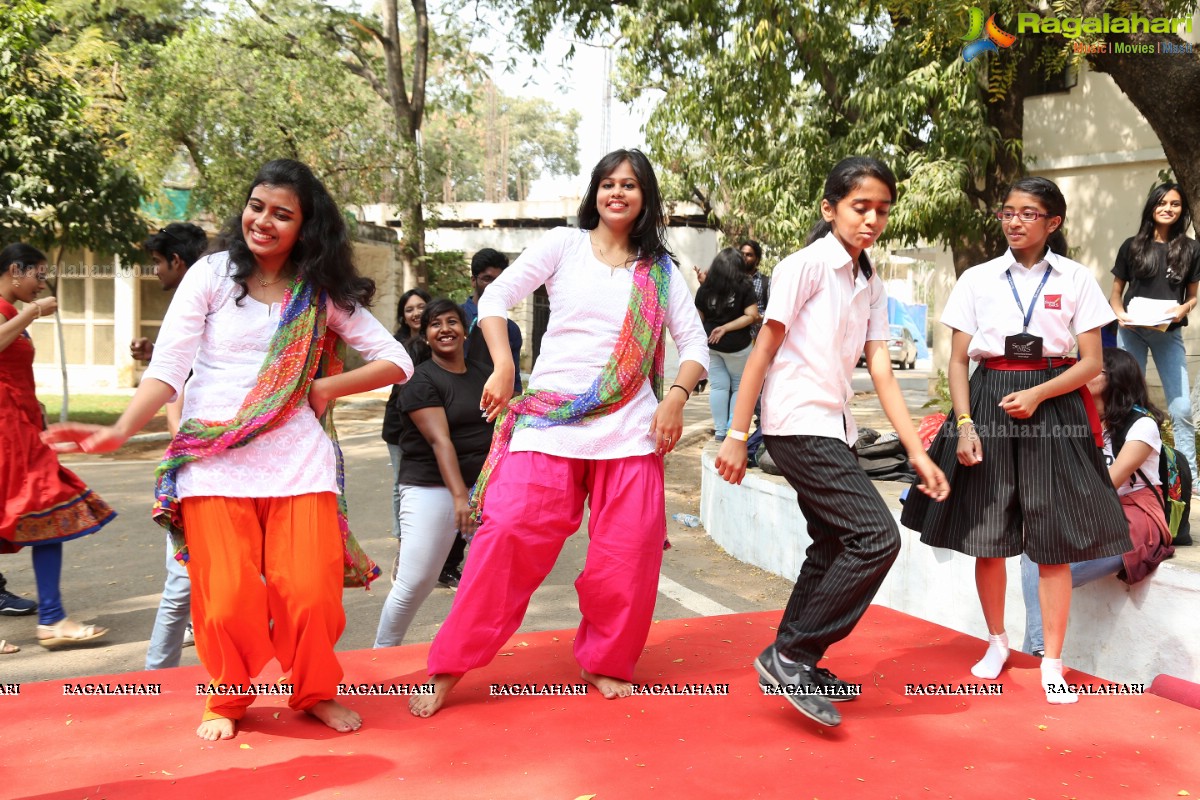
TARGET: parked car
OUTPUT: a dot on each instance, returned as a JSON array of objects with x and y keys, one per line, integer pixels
[{"x": 902, "y": 347}]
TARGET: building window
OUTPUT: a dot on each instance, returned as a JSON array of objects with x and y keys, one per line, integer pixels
[{"x": 85, "y": 308}]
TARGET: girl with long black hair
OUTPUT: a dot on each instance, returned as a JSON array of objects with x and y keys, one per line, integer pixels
[
  {"x": 590, "y": 428},
  {"x": 1161, "y": 262},
  {"x": 251, "y": 487},
  {"x": 728, "y": 307}
]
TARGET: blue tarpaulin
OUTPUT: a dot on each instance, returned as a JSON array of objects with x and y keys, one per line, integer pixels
[{"x": 912, "y": 316}]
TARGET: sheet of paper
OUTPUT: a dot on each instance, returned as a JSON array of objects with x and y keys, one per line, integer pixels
[{"x": 1147, "y": 313}]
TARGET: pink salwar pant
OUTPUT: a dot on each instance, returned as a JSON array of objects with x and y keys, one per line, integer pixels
[{"x": 534, "y": 503}]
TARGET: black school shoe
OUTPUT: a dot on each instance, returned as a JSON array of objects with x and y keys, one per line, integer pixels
[
  {"x": 13, "y": 606},
  {"x": 798, "y": 683},
  {"x": 837, "y": 690}
]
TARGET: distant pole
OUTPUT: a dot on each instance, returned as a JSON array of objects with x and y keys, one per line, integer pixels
[{"x": 607, "y": 127}]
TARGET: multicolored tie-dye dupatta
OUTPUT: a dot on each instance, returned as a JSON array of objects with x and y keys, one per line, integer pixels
[
  {"x": 299, "y": 353},
  {"x": 638, "y": 356}
]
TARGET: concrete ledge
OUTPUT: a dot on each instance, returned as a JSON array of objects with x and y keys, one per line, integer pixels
[{"x": 1119, "y": 632}]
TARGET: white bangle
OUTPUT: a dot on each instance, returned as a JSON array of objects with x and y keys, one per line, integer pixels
[{"x": 741, "y": 436}]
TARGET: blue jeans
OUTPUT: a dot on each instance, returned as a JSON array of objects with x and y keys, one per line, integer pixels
[
  {"x": 394, "y": 457},
  {"x": 1081, "y": 572},
  {"x": 724, "y": 377},
  {"x": 174, "y": 612},
  {"x": 1170, "y": 357}
]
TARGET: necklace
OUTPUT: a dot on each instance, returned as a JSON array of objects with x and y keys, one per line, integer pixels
[
  {"x": 265, "y": 284},
  {"x": 606, "y": 259}
]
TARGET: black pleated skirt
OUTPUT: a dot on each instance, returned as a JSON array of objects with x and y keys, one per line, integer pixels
[{"x": 1042, "y": 487}]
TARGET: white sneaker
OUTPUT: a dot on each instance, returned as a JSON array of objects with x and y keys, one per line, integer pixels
[{"x": 189, "y": 636}]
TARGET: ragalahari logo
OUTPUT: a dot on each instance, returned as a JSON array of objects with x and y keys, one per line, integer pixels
[{"x": 984, "y": 36}]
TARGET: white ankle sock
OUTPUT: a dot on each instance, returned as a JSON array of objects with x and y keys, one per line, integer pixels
[
  {"x": 993, "y": 660},
  {"x": 1052, "y": 681}
]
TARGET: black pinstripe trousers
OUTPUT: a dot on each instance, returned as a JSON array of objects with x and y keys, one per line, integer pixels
[{"x": 855, "y": 540}]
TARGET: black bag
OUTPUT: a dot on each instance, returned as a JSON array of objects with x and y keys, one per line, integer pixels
[{"x": 883, "y": 458}]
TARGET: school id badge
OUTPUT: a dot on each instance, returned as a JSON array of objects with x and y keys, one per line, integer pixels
[{"x": 1023, "y": 347}]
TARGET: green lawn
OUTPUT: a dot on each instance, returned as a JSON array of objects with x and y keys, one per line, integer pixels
[{"x": 98, "y": 409}]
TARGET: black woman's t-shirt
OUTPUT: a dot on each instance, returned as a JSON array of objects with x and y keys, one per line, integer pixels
[
  {"x": 1156, "y": 287},
  {"x": 432, "y": 386}
]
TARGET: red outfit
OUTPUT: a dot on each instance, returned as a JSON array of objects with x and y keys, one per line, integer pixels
[
  {"x": 42, "y": 501},
  {"x": 1148, "y": 532}
]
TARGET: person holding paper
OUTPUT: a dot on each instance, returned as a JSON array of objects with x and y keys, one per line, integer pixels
[{"x": 1154, "y": 282}]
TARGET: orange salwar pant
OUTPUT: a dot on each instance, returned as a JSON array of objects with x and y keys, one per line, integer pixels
[{"x": 266, "y": 583}]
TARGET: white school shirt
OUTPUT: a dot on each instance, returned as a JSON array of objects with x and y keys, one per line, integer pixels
[
  {"x": 1144, "y": 430},
  {"x": 224, "y": 345},
  {"x": 982, "y": 305},
  {"x": 828, "y": 315},
  {"x": 588, "y": 302}
]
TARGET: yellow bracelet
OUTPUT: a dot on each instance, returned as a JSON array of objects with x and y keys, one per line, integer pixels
[{"x": 963, "y": 419}]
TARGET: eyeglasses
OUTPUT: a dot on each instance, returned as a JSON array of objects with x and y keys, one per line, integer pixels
[{"x": 1025, "y": 215}]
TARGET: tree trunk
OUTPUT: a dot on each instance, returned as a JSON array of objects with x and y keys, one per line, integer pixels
[
  {"x": 412, "y": 215},
  {"x": 1164, "y": 88},
  {"x": 409, "y": 113}
]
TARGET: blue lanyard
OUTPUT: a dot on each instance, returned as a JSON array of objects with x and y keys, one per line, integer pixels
[{"x": 1033, "y": 302}]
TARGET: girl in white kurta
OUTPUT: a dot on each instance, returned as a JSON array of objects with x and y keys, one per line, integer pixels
[
  {"x": 590, "y": 428},
  {"x": 251, "y": 479}
]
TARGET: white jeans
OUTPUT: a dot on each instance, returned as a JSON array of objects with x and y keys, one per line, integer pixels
[{"x": 427, "y": 531}]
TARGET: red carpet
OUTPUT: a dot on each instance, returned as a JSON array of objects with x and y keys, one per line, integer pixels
[{"x": 743, "y": 745}]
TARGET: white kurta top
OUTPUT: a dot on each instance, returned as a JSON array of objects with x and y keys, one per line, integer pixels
[
  {"x": 224, "y": 345},
  {"x": 588, "y": 302}
]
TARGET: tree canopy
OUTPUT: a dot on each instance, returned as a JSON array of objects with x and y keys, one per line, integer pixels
[
  {"x": 60, "y": 185},
  {"x": 761, "y": 97},
  {"x": 233, "y": 94},
  {"x": 345, "y": 92},
  {"x": 491, "y": 147}
]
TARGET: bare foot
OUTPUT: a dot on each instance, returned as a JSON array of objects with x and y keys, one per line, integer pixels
[
  {"x": 219, "y": 728},
  {"x": 336, "y": 716},
  {"x": 611, "y": 688},
  {"x": 426, "y": 705}
]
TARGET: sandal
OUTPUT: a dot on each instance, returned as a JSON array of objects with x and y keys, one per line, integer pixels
[
  {"x": 59, "y": 635},
  {"x": 8, "y": 649}
]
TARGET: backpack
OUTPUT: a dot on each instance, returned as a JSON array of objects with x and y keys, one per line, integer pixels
[{"x": 1175, "y": 479}]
